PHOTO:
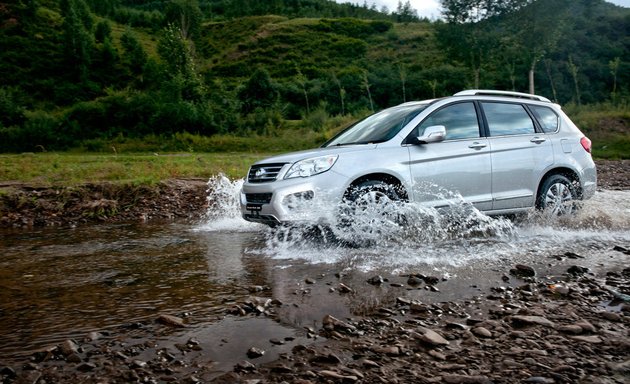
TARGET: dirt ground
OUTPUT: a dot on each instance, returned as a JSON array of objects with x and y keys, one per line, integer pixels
[{"x": 532, "y": 329}]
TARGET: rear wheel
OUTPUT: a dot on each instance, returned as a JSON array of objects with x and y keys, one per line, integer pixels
[{"x": 557, "y": 196}]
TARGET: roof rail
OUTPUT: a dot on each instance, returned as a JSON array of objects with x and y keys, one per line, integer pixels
[{"x": 486, "y": 92}]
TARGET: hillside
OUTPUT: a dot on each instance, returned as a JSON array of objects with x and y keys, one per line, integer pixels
[{"x": 79, "y": 73}]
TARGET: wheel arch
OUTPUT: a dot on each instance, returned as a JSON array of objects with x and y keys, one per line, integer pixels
[
  {"x": 563, "y": 171},
  {"x": 379, "y": 176}
]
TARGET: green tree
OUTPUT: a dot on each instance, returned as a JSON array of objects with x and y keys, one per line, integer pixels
[
  {"x": 258, "y": 92},
  {"x": 186, "y": 15},
  {"x": 78, "y": 43},
  {"x": 177, "y": 55},
  {"x": 103, "y": 31},
  {"x": 135, "y": 56}
]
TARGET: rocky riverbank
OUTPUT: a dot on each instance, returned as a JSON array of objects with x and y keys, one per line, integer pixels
[
  {"x": 35, "y": 206},
  {"x": 531, "y": 329}
]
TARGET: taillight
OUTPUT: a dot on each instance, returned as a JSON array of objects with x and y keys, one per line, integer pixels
[{"x": 586, "y": 144}]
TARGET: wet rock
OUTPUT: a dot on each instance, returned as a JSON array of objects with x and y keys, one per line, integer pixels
[
  {"x": 430, "y": 337},
  {"x": 244, "y": 366},
  {"x": 68, "y": 347},
  {"x": 344, "y": 288},
  {"x": 308, "y": 280},
  {"x": 331, "y": 323},
  {"x": 586, "y": 326},
  {"x": 29, "y": 377},
  {"x": 254, "y": 353},
  {"x": 577, "y": 270},
  {"x": 414, "y": 280},
  {"x": 387, "y": 350},
  {"x": 481, "y": 332},
  {"x": 592, "y": 339},
  {"x": 571, "y": 329},
  {"x": 431, "y": 280},
  {"x": 276, "y": 341},
  {"x": 331, "y": 358},
  {"x": 521, "y": 270},
  {"x": 170, "y": 320},
  {"x": 337, "y": 376},
  {"x": 376, "y": 280}
]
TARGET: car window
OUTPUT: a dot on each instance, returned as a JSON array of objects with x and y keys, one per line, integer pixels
[
  {"x": 507, "y": 119},
  {"x": 546, "y": 117},
  {"x": 459, "y": 119}
]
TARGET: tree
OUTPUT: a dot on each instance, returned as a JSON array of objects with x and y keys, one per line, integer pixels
[
  {"x": 135, "y": 56},
  {"x": 258, "y": 92},
  {"x": 177, "y": 56},
  {"x": 537, "y": 28},
  {"x": 78, "y": 41},
  {"x": 186, "y": 15}
]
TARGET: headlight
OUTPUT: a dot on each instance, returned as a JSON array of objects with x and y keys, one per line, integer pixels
[{"x": 310, "y": 167}]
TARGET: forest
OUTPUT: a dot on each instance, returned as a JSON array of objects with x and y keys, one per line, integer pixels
[{"x": 211, "y": 75}]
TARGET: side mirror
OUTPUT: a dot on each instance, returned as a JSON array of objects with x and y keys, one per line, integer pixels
[{"x": 432, "y": 134}]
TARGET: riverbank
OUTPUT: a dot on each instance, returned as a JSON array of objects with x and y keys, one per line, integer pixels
[
  {"x": 24, "y": 205},
  {"x": 560, "y": 317}
]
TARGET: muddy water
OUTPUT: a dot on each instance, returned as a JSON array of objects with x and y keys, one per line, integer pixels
[{"x": 61, "y": 283}]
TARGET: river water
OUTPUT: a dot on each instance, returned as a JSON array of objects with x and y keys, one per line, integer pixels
[{"x": 62, "y": 283}]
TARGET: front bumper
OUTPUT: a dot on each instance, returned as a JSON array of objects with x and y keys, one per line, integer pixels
[{"x": 309, "y": 200}]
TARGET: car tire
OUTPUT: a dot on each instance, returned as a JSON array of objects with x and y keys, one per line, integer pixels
[
  {"x": 557, "y": 196},
  {"x": 368, "y": 209}
]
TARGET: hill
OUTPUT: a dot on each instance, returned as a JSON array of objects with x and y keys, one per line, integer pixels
[{"x": 79, "y": 73}]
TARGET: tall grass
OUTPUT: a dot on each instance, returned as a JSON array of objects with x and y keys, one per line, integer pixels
[{"x": 607, "y": 125}]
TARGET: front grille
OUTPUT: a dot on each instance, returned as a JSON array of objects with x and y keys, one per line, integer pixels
[
  {"x": 258, "y": 198},
  {"x": 264, "y": 173}
]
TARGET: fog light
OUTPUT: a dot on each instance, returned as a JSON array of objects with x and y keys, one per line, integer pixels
[{"x": 296, "y": 200}]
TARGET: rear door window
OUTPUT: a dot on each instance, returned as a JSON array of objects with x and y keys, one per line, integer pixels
[
  {"x": 507, "y": 119},
  {"x": 546, "y": 117}
]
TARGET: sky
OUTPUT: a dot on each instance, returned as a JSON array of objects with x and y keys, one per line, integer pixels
[{"x": 431, "y": 8}]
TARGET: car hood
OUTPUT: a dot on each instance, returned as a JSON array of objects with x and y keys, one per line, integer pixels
[{"x": 292, "y": 157}]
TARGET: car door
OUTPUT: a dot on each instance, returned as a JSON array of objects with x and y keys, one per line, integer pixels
[
  {"x": 458, "y": 166},
  {"x": 520, "y": 154}
]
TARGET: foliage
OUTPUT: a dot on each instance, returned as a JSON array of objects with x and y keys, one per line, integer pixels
[{"x": 80, "y": 73}]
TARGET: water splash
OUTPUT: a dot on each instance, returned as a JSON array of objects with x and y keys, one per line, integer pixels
[
  {"x": 224, "y": 213},
  {"x": 402, "y": 236}
]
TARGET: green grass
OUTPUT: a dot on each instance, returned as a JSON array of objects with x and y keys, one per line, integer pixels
[{"x": 68, "y": 169}]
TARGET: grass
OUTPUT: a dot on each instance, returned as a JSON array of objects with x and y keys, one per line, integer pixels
[{"x": 68, "y": 169}]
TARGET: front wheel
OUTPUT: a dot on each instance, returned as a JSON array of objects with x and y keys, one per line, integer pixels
[
  {"x": 558, "y": 196},
  {"x": 371, "y": 209}
]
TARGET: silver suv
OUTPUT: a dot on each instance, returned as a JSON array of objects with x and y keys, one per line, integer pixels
[{"x": 502, "y": 152}]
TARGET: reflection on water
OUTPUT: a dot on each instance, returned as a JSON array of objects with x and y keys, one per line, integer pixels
[
  {"x": 64, "y": 283},
  {"x": 68, "y": 282}
]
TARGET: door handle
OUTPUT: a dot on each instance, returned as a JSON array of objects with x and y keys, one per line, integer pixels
[
  {"x": 538, "y": 140},
  {"x": 477, "y": 145}
]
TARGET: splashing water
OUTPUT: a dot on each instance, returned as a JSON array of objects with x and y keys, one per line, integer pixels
[
  {"x": 399, "y": 236},
  {"x": 224, "y": 212}
]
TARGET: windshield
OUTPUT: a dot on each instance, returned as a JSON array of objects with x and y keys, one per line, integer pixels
[{"x": 378, "y": 127}]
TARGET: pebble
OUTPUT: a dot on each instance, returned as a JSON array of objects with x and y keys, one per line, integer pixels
[
  {"x": 170, "y": 320},
  {"x": 254, "y": 352}
]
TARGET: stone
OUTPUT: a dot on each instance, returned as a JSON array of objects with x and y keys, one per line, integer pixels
[
  {"x": 414, "y": 280},
  {"x": 577, "y": 270},
  {"x": 254, "y": 353},
  {"x": 593, "y": 339},
  {"x": 571, "y": 328},
  {"x": 430, "y": 337},
  {"x": 376, "y": 280},
  {"x": 68, "y": 347},
  {"x": 170, "y": 320},
  {"x": 482, "y": 332},
  {"x": 344, "y": 288},
  {"x": 521, "y": 270},
  {"x": 337, "y": 376}
]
